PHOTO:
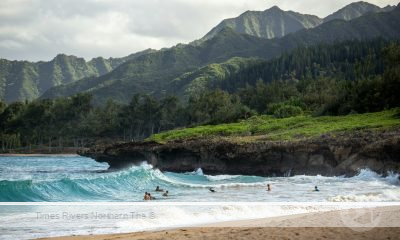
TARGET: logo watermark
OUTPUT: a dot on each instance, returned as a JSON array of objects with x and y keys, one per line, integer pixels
[
  {"x": 361, "y": 219},
  {"x": 95, "y": 216}
]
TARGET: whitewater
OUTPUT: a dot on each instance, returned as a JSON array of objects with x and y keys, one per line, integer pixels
[{"x": 79, "y": 179}]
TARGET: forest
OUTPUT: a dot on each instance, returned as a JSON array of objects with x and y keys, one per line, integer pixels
[{"x": 338, "y": 79}]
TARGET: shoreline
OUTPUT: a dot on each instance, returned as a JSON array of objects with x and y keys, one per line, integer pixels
[{"x": 326, "y": 224}]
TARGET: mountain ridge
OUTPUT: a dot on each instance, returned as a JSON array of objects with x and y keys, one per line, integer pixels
[
  {"x": 25, "y": 80},
  {"x": 136, "y": 76},
  {"x": 355, "y": 10},
  {"x": 256, "y": 23},
  {"x": 152, "y": 72},
  {"x": 264, "y": 23}
]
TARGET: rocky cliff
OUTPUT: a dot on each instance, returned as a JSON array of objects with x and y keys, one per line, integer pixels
[{"x": 339, "y": 154}]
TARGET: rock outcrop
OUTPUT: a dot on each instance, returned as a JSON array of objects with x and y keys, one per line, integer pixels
[{"x": 328, "y": 155}]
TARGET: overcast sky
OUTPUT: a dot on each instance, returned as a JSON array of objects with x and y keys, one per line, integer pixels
[{"x": 40, "y": 29}]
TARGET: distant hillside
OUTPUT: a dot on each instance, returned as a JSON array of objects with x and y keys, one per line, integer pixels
[
  {"x": 276, "y": 23},
  {"x": 340, "y": 60},
  {"x": 154, "y": 73},
  {"x": 23, "y": 80},
  {"x": 206, "y": 77},
  {"x": 151, "y": 73},
  {"x": 355, "y": 10},
  {"x": 270, "y": 23}
]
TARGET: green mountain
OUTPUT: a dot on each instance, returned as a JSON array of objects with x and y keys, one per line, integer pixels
[
  {"x": 369, "y": 26},
  {"x": 276, "y": 23},
  {"x": 153, "y": 70},
  {"x": 270, "y": 23},
  {"x": 23, "y": 80},
  {"x": 152, "y": 73},
  {"x": 355, "y": 10},
  {"x": 347, "y": 60},
  {"x": 206, "y": 77},
  {"x": 159, "y": 72}
]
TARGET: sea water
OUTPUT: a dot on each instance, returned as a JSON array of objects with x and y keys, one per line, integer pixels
[
  {"x": 77, "y": 179},
  {"x": 80, "y": 179}
]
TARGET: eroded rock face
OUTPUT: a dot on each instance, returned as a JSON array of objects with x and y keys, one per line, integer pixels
[{"x": 341, "y": 154}]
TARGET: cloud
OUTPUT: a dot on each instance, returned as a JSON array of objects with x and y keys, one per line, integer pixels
[{"x": 40, "y": 29}]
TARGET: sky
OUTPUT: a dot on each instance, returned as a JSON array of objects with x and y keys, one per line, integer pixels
[{"x": 40, "y": 29}]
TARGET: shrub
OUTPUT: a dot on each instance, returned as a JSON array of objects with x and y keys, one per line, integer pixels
[{"x": 282, "y": 110}]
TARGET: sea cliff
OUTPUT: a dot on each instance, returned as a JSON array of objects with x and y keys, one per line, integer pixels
[{"x": 328, "y": 154}]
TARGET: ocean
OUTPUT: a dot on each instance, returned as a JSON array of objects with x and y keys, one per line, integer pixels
[
  {"x": 42, "y": 179},
  {"x": 77, "y": 179}
]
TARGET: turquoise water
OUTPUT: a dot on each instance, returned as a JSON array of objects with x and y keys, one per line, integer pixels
[
  {"x": 76, "y": 179},
  {"x": 79, "y": 179}
]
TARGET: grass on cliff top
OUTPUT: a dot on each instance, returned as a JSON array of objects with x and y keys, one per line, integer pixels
[{"x": 270, "y": 128}]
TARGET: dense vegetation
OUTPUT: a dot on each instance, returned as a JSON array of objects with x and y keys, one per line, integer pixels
[
  {"x": 76, "y": 122},
  {"x": 337, "y": 79},
  {"x": 349, "y": 77},
  {"x": 205, "y": 78}
]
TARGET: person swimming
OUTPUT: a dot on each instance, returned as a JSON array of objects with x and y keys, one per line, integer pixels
[
  {"x": 211, "y": 190},
  {"x": 158, "y": 189},
  {"x": 165, "y": 194},
  {"x": 146, "y": 196},
  {"x": 316, "y": 189},
  {"x": 268, "y": 187},
  {"x": 151, "y": 197}
]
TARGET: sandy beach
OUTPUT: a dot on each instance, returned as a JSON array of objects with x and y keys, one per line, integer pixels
[{"x": 366, "y": 223}]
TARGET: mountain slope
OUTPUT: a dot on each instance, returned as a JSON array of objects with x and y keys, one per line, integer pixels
[
  {"x": 270, "y": 23},
  {"x": 355, "y": 10},
  {"x": 276, "y": 23},
  {"x": 20, "y": 80},
  {"x": 383, "y": 24},
  {"x": 153, "y": 73},
  {"x": 341, "y": 60},
  {"x": 23, "y": 80},
  {"x": 207, "y": 77}
]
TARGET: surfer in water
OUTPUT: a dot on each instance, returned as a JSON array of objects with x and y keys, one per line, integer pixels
[
  {"x": 158, "y": 189},
  {"x": 268, "y": 188},
  {"x": 211, "y": 190},
  {"x": 316, "y": 189},
  {"x": 165, "y": 194}
]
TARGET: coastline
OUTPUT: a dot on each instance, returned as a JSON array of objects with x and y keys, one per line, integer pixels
[
  {"x": 328, "y": 224},
  {"x": 327, "y": 155}
]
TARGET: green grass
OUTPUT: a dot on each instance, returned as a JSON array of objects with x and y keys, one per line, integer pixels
[{"x": 269, "y": 128}]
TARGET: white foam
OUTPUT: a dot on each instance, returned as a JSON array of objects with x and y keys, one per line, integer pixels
[
  {"x": 222, "y": 185},
  {"x": 366, "y": 174},
  {"x": 221, "y": 177},
  {"x": 199, "y": 172},
  {"x": 166, "y": 217},
  {"x": 383, "y": 196},
  {"x": 174, "y": 216},
  {"x": 393, "y": 178}
]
